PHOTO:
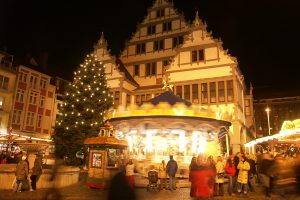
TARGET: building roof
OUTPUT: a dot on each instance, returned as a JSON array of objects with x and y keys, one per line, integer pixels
[
  {"x": 170, "y": 98},
  {"x": 123, "y": 69}
]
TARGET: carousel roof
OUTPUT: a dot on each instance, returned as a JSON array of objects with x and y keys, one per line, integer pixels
[
  {"x": 169, "y": 98},
  {"x": 105, "y": 141}
]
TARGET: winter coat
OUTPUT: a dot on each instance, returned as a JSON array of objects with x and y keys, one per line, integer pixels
[
  {"x": 172, "y": 168},
  {"x": 162, "y": 171},
  {"x": 202, "y": 180},
  {"x": 244, "y": 168},
  {"x": 231, "y": 171},
  {"x": 37, "y": 167},
  {"x": 22, "y": 171},
  {"x": 220, "y": 170}
]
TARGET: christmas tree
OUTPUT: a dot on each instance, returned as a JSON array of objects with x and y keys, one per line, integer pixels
[{"x": 85, "y": 103}]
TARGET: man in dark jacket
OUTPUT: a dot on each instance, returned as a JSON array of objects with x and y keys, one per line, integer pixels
[{"x": 171, "y": 169}]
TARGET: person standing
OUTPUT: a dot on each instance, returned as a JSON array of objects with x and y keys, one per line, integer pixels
[
  {"x": 231, "y": 171},
  {"x": 130, "y": 173},
  {"x": 21, "y": 173},
  {"x": 242, "y": 180},
  {"x": 220, "y": 170},
  {"x": 171, "y": 170},
  {"x": 36, "y": 172},
  {"x": 162, "y": 175}
]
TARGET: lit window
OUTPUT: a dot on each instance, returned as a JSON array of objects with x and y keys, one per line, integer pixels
[
  {"x": 4, "y": 82},
  {"x": 195, "y": 95},
  {"x": 230, "y": 90},
  {"x": 212, "y": 91},
  {"x": 187, "y": 94},
  {"x": 204, "y": 93},
  {"x": 198, "y": 55},
  {"x": 221, "y": 91},
  {"x": 179, "y": 91},
  {"x": 150, "y": 69}
]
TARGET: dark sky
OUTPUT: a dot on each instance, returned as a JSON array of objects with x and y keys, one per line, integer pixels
[{"x": 264, "y": 35}]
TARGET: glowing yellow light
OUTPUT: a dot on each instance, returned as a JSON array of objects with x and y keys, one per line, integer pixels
[{"x": 202, "y": 143}]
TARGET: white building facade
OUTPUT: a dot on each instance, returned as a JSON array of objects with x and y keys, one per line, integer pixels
[{"x": 165, "y": 48}]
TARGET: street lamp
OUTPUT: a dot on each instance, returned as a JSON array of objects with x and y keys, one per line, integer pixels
[{"x": 268, "y": 114}]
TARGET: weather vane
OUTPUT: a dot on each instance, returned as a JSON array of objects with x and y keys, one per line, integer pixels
[{"x": 167, "y": 87}]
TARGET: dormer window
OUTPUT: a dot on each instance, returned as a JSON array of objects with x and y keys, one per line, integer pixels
[
  {"x": 151, "y": 30},
  {"x": 160, "y": 13},
  {"x": 158, "y": 45},
  {"x": 198, "y": 55},
  {"x": 167, "y": 26},
  {"x": 140, "y": 48}
]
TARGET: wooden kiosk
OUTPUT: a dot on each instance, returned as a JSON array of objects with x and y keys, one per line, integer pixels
[{"x": 106, "y": 157}]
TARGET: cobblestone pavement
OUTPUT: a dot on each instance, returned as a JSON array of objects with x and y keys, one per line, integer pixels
[{"x": 81, "y": 192}]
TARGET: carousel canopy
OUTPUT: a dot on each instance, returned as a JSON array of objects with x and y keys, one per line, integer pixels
[
  {"x": 170, "y": 98},
  {"x": 105, "y": 141}
]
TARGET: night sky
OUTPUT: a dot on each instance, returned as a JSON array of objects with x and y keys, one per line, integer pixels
[{"x": 264, "y": 35}]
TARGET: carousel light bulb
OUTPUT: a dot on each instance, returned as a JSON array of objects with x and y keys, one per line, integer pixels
[{"x": 67, "y": 128}]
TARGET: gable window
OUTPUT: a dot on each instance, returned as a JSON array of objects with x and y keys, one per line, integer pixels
[
  {"x": 4, "y": 82},
  {"x": 177, "y": 41},
  {"x": 221, "y": 91},
  {"x": 158, "y": 45},
  {"x": 198, "y": 55},
  {"x": 187, "y": 94},
  {"x": 151, "y": 30},
  {"x": 229, "y": 90},
  {"x": 204, "y": 93},
  {"x": 213, "y": 94},
  {"x": 160, "y": 13},
  {"x": 140, "y": 48},
  {"x": 195, "y": 96},
  {"x": 167, "y": 26},
  {"x": 150, "y": 69},
  {"x": 179, "y": 91}
]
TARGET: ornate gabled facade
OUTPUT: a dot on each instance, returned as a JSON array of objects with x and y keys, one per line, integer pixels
[{"x": 165, "y": 48}]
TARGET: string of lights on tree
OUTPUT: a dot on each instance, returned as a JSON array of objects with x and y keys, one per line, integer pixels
[{"x": 85, "y": 102}]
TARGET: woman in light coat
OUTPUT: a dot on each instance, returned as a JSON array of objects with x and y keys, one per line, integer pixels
[
  {"x": 162, "y": 175},
  {"x": 220, "y": 170},
  {"x": 243, "y": 168}
]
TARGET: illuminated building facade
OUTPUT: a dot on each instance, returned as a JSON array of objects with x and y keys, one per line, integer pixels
[
  {"x": 167, "y": 48},
  {"x": 33, "y": 104},
  {"x": 7, "y": 85}
]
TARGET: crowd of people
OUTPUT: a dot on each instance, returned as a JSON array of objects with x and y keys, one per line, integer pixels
[
  {"x": 274, "y": 172},
  {"x": 238, "y": 173}
]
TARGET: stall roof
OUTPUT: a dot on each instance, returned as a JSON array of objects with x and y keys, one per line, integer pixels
[{"x": 168, "y": 97}]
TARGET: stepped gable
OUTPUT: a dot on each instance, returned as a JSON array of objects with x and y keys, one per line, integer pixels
[{"x": 169, "y": 98}]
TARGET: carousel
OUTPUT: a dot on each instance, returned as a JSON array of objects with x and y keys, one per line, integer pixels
[
  {"x": 287, "y": 140},
  {"x": 168, "y": 125}
]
